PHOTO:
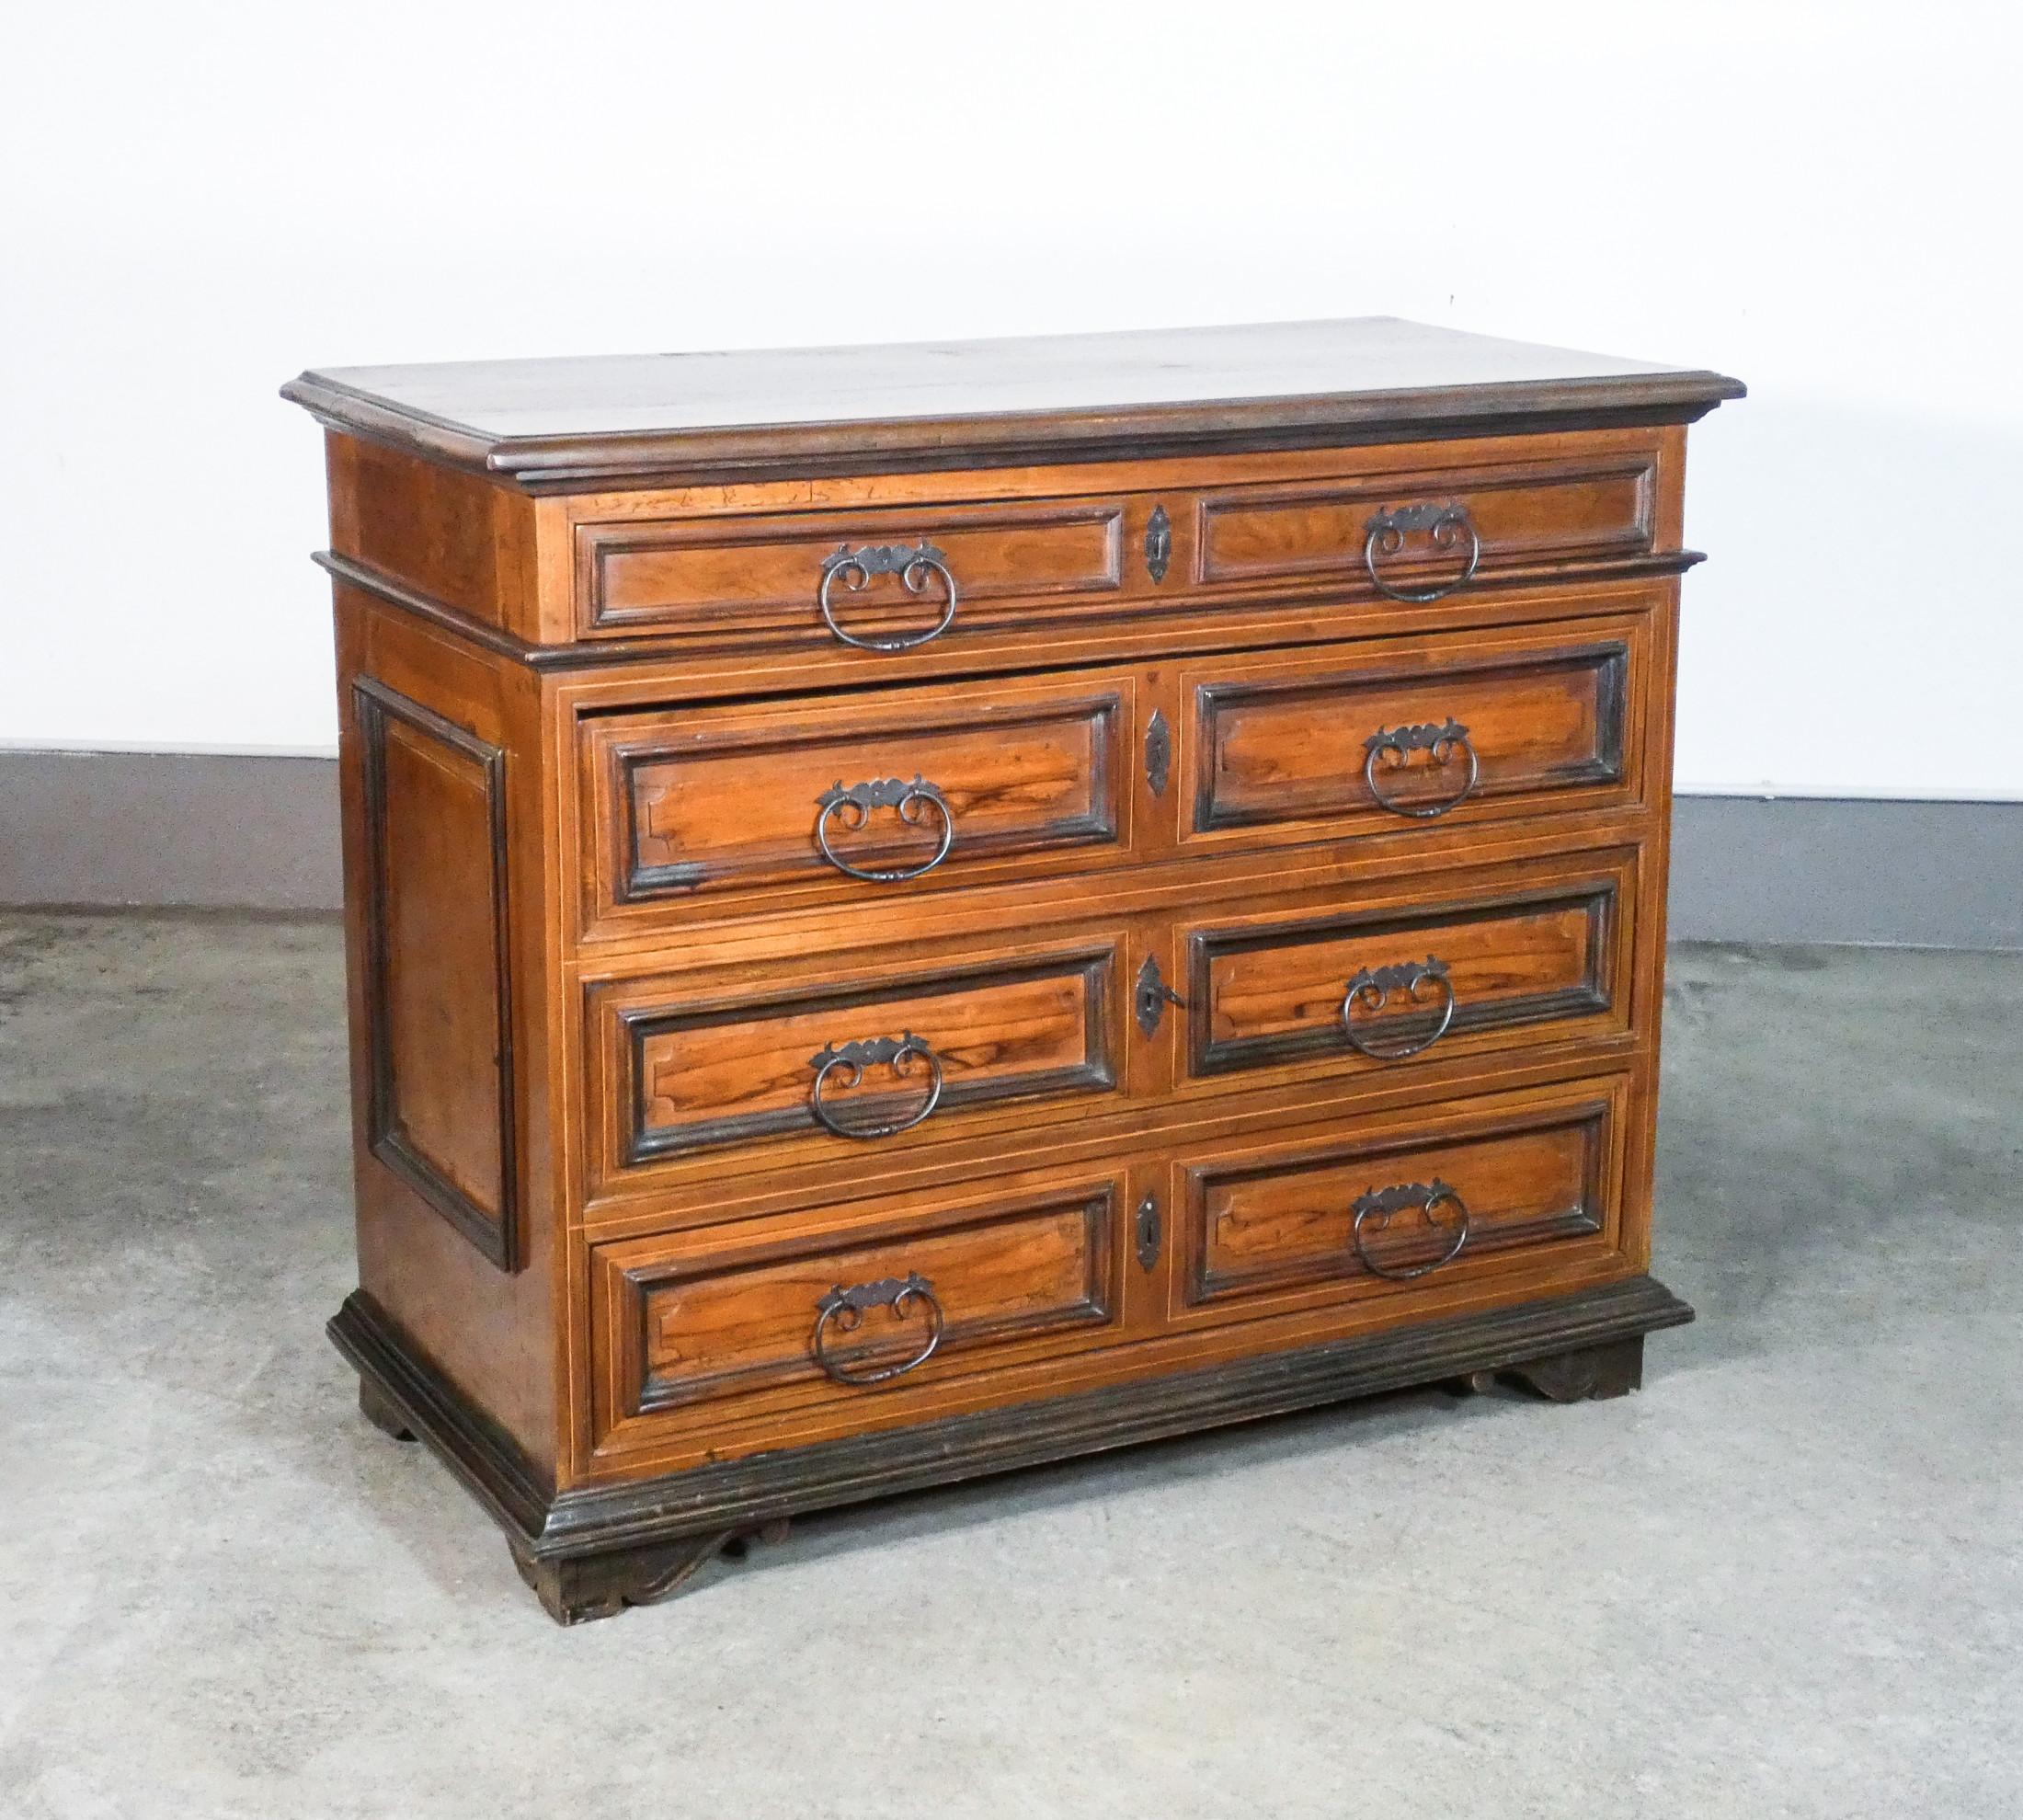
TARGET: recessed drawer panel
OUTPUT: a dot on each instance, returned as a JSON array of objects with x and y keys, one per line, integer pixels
[
  {"x": 1407, "y": 1201},
  {"x": 1423, "y": 534},
  {"x": 860, "y": 1304},
  {"x": 856, "y": 798},
  {"x": 881, "y": 576},
  {"x": 826, "y": 1062},
  {"x": 1460, "y": 963},
  {"x": 1379, "y": 533},
  {"x": 1394, "y": 734}
]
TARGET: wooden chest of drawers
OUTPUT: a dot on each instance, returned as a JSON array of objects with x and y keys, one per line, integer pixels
[{"x": 917, "y": 910}]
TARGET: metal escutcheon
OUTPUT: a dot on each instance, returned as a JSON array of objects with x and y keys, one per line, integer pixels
[
  {"x": 844, "y": 1310},
  {"x": 1372, "y": 989},
  {"x": 911, "y": 563},
  {"x": 852, "y": 808},
  {"x": 850, "y": 1060},
  {"x": 1375, "y": 1207},
  {"x": 1440, "y": 739},
  {"x": 1384, "y": 536}
]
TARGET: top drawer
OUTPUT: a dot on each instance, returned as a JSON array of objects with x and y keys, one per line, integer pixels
[
  {"x": 1406, "y": 524},
  {"x": 884, "y": 578}
]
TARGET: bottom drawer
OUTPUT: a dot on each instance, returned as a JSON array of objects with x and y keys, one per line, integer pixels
[
  {"x": 1390, "y": 1204},
  {"x": 778, "y": 1330},
  {"x": 779, "y": 1313}
]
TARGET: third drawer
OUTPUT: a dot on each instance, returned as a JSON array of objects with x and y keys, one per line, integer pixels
[{"x": 852, "y": 1064}]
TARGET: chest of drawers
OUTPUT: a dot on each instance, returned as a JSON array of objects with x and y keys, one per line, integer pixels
[{"x": 913, "y": 912}]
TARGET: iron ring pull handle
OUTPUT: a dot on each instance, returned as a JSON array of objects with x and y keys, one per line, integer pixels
[
  {"x": 1442, "y": 740},
  {"x": 844, "y": 1309},
  {"x": 1375, "y": 1207},
  {"x": 850, "y": 1060},
  {"x": 853, "y": 807},
  {"x": 1384, "y": 536},
  {"x": 1374, "y": 985},
  {"x": 912, "y": 563}
]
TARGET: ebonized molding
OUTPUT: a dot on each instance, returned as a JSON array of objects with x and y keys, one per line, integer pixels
[
  {"x": 718, "y": 1500},
  {"x": 888, "y": 999},
  {"x": 1367, "y": 491},
  {"x": 598, "y": 545},
  {"x": 580, "y": 463},
  {"x": 1210, "y": 1055},
  {"x": 495, "y": 1231},
  {"x": 1095, "y": 1307},
  {"x": 1203, "y": 1287},
  {"x": 639, "y": 882},
  {"x": 1607, "y": 661}
]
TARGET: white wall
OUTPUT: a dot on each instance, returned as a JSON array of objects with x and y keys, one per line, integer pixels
[{"x": 196, "y": 201}]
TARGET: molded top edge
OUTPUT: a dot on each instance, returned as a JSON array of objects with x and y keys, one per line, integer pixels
[{"x": 582, "y": 419}]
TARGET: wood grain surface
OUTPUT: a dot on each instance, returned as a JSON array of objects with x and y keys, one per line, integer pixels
[{"x": 637, "y": 858}]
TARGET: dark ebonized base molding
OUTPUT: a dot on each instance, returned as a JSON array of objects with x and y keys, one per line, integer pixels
[
  {"x": 381, "y": 1411},
  {"x": 589, "y": 1553}
]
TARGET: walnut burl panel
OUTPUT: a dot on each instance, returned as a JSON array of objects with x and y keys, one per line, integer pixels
[
  {"x": 720, "y": 1063},
  {"x": 691, "y": 802},
  {"x": 912, "y": 912},
  {"x": 1501, "y": 964},
  {"x": 1265, "y": 1226},
  {"x": 727, "y": 574},
  {"x": 696, "y": 1318},
  {"x": 1521, "y": 512},
  {"x": 1551, "y": 716},
  {"x": 688, "y": 810},
  {"x": 438, "y": 984}
]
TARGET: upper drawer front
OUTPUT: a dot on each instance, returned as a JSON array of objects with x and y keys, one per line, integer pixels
[
  {"x": 1468, "y": 963},
  {"x": 794, "y": 1063},
  {"x": 851, "y": 797},
  {"x": 1363, "y": 526},
  {"x": 745, "y": 574},
  {"x": 1403, "y": 733},
  {"x": 856, "y": 1303},
  {"x": 1407, "y": 1199},
  {"x": 1419, "y": 534}
]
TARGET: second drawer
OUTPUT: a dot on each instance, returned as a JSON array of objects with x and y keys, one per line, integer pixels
[{"x": 689, "y": 811}]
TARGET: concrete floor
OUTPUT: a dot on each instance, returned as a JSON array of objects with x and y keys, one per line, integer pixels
[{"x": 1787, "y": 1579}]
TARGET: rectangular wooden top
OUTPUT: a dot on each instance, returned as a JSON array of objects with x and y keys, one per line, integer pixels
[{"x": 616, "y": 419}]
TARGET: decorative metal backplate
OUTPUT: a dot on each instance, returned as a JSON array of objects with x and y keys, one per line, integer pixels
[
  {"x": 897, "y": 1053},
  {"x": 1151, "y": 995},
  {"x": 912, "y": 564},
  {"x": 1432, "y": 736},
  {"x": 1385, "y": 535},
  {"x": 1159, "y": 545},
  {"x": 1158, "y": 752},
  {"x": 1375, "y": 1207},
  {"x": 886, "y": 558},
  {"x": 1147, "y": 1234},
  {"x": 852, "y": 808},
  {"x": 1395, "y": 745},
  {"x": 845, "y": 1309},
  {"x": 1371, "y": 989}
]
